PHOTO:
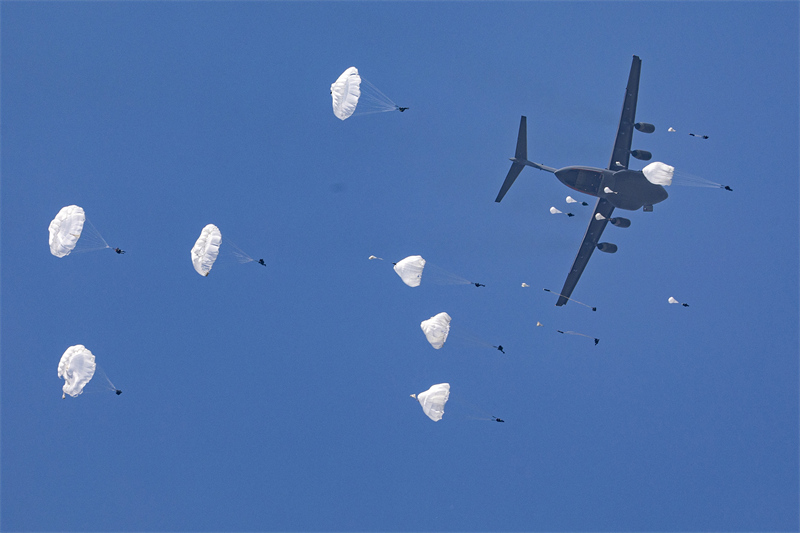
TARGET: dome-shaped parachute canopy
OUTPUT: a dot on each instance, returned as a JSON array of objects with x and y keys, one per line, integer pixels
[
  {"x": 410, "y": 270},
  {"x": 76, "y": 368},
  {"x": 65, "y": 230},
  {"x": 206, "y": 249},
  {"x": 345, "y": 92},
  {"x": 436, "y": 329},
  {"x": 659, "y": 173},
  {"x": 433, "y": 400},
  {"x": 554, "y": 211},
  {"x": 673, "y": 300}
]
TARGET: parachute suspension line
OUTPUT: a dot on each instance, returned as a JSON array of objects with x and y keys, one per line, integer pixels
[
  {"x": 485, "y": 415},
  {"x": 378, "y": 95},
  {"x": 596, "y": 340},
  {"x": 110, "y": 385},
  {"x": 238, "y": 253},
  {"x": 90, "y": 240},
  {"x": 372, "y": 100},
  {"x": 690, "y": 180},
  {"x": 440, "y": 276},
  {"x": 458, "y": 334},
  {"x": 571, "y": 300}
]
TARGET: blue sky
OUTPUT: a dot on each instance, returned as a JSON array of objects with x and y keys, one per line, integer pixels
[{"x": 277, "y": 398}]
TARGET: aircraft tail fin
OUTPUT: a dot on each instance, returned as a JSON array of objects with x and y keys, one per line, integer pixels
[
  {"x": 520, "y": 159},
  {"x": 522, "y": 140}
]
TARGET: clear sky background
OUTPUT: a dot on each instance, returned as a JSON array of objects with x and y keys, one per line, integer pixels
[{"x": 277, "y": 398}]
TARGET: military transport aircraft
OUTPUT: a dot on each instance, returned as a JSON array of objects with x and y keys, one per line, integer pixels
[{"x": 615, "y": 186}]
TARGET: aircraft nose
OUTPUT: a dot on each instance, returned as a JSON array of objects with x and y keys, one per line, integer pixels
[{"x": 567, "y": 176}]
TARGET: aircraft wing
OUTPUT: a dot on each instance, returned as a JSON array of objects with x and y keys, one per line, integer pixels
[
  {"x": 590, "y": 240},
  {"x": 620, "y": 156}
]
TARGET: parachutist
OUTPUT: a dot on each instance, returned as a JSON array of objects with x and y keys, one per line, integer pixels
[
  {"x": 119, "y": 251},
  {"x": 701, "y": 136},
  {"x": 570, "y": 215},
  {"x": 685, "y": 305},
  {"x": 401, "y": 109},
  {"x": 261, "y": 262},
  {"x": 479, "y": 284},
  {"x": 497, "y": 419},
  {"x": 727, "y": 188},
  {"x": 500, "y": 348},
  {"x": 596, "y": 341},
  {"x": 118, "y": 392}
]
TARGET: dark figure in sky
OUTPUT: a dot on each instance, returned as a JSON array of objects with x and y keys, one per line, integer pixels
[
  {"x": 401, "y": 109},
  {"x": 727, "y": 188},
  {"x": 596, "y": 341},
  {"x": 701, "y": 136},
  {"x": 497, "y": 419},
  {"x": 261, "y": 262},
  {"x": 584, "y": 203},
  {"x": 570, "y": 215},
  {"x": 479, "y": 284},
  {"x": 685, "y": 305},
  {"x": 500, "y": 348},
  {"x": 118, "y": 392},
  {"x": 119, "y": 251}
]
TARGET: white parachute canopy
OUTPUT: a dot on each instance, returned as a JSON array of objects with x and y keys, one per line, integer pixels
[
  {"x": 67, "y": 228},
  {"x": 433, "y": 400},
  {"x": 206, "y": 249},
  {"x": 345, "y": 92},
  {"x": 554, "y": 211},
  {"x": 659, "y": 173},
  {"x": 436, "y": 329},
  {"x": 673, "y": 300},
  {"x": 76, "y": 368},
  {"x": 410, "y": 270},
  {"x": 351, "y": 94}
]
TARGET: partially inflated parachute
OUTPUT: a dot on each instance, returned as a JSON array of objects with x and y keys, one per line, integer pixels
[
  {"x": 436, "y": 329},
  {"x": 65, "y": 230},
  {"x": 76, "y": 368},
  {"x": 433, "y": 400},
  {"x": 410, "y": 270},
  {"x": 352, "y": 94},
  {"x": 206, "y": 249},
  {"x": 659, "y": 173}
]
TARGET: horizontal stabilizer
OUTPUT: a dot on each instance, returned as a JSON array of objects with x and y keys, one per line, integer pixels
[{"x": 516, "y": 168}]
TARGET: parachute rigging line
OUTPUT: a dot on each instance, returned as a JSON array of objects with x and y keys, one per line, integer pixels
[{"x": 571, "y": 300}]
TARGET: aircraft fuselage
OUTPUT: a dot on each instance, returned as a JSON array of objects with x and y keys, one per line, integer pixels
[{"x": 631, "y": 190}]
